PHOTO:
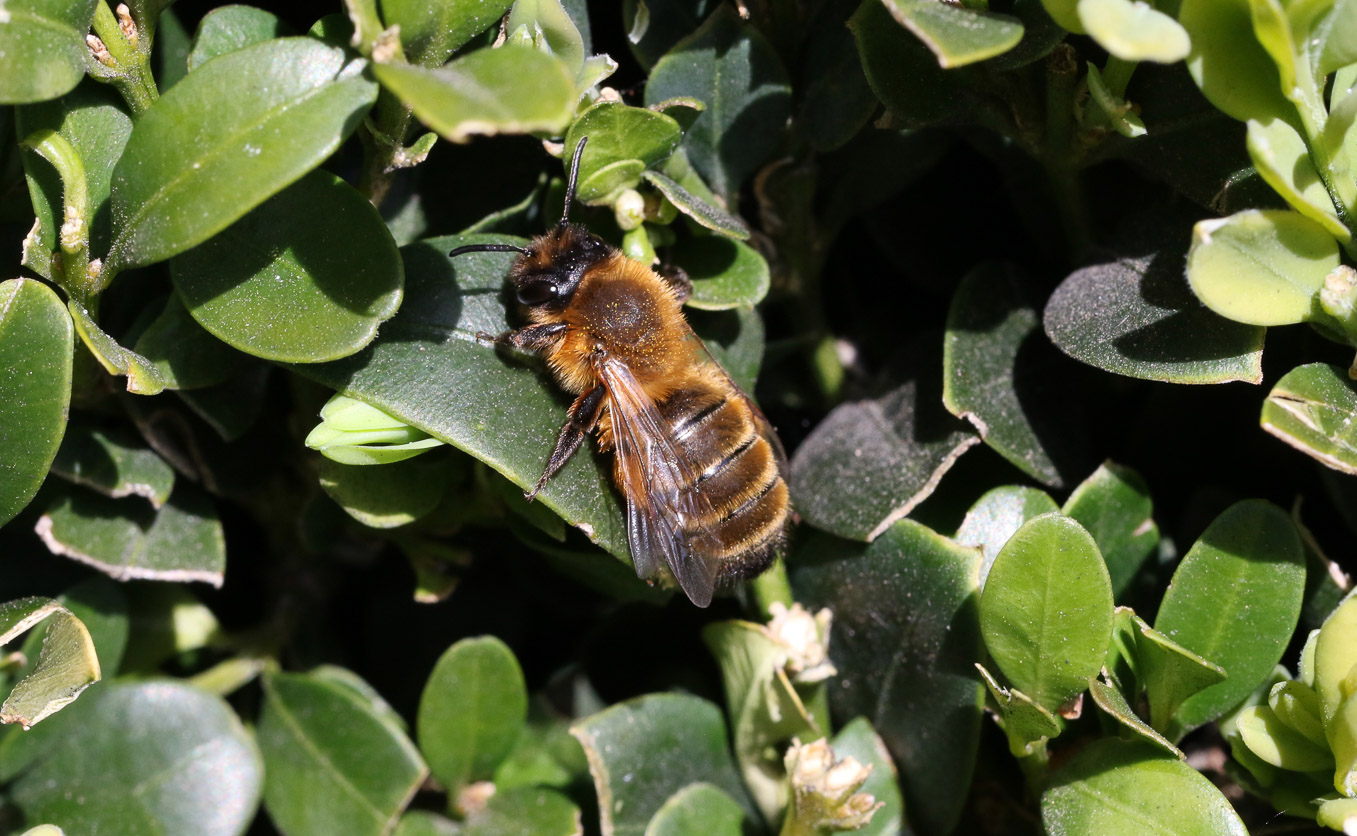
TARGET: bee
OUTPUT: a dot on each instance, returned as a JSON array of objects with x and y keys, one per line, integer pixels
[{"x": 699, "y": 468}]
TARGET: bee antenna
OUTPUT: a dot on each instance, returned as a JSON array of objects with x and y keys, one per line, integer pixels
[
  {"x": 487, "y": 248},
  {"x": 570, "y": 182}
]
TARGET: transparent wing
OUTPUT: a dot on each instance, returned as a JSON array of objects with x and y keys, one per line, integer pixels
[{"x": 657, "y": 480}]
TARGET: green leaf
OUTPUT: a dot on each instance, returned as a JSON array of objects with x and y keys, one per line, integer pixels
[
  {"x": 510, "y": 90},
  {"x": 726, "y": 274},
  {"x": 957, "y": 35},
  {"x": 902, "y": 72},
  {"x": 508, "y": 412},
  {"x": 547, "y": 26},
  {"x": 306, "y": 277},
  {"x": 1046, "y": 611},
  {"x": 618, "y": 133},
  {"x": 1262, "y": 267},
  {"x": 385, "y": 497},
  {"x": 1335, "y": 38},
  {"x": 1027, "y": 725},
  {"x": 230, "y": 28},
  {"x": 703, "y": 212},
  {"x": 1279, "y": 744},
  {"x": 36, "y": 345},
  {"x": 525, "y": 810},
  {"x": 906, "y": 636},
  {"x": 1312, "y": 409},
  {"x": 332, "y": 765},
  {"x": 67, "y": 665},
  {"x": 142, "y": 757},
  {"x": 1297, "y": 705},
  {"x": 430, "y": 32},
  {"x": 835, "y": 100},
  {"x": 1113, "y": 788},
  {"x": 42, "y": 48},
  {"x": 425, "y": 823},
  {"x": 227, "y": 138},
  {"x": 1234, "y": 600},
  {"x": 114, "y": 463},
  {"x": 1283, "y": 159},
  {"x": 472, "y": 710},
  {"x": 997, "y": 516},
  {"x": 1114, "y": 506},
  {"x": 1169, "y": 672},
  {"x": 1227, "y": 62},
  {"x": 632, "y": 784},
  {"x": 101, "y": 605},
  {"x": 1114, "y": 704},
  {"x": 697, "y": 808},
  {"x": 183, "y": 354},
  {"x": 736, "y": 73},
  {"x": 1335, "y": 656},
  {"x": 1134, "y": 31},
  {"x": 142, "y": 376},
  {"x": 870, "y": 463},
  {"x": 734, "y": 338},
  {"x": 859, "y": 741},
  {"x": 987, "y": 326},
  {"x": 124, "y": 538},
  {"x": 1137, "y": 317}
]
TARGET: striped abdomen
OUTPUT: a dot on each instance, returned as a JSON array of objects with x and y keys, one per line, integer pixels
[{"x": 735, "y": 468}]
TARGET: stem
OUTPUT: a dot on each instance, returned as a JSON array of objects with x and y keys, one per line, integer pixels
[
  {"x": 1034, "y": 769},
  {"x": 772, "y": 587},
  {"x": 129, "y": 64},
  {"x": 72, "y": 269},
  {"x": 1117, "y": 75},
  {"x": 226, "y": 677}
]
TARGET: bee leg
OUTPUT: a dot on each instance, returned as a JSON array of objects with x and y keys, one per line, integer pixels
[
  {"x": 677, "y": 279},
  {"x": 534, "y": 338},
  {"x": 584, "y": 415}
]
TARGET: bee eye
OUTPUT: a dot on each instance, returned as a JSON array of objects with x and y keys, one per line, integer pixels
[{"x": 536, "y": 293}]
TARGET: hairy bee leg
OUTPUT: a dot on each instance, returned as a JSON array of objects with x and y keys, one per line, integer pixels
[
  {"x": 584, "y": 415},
  {"x": 677, "y": 279},
  {"x": 534, "y": 338}
]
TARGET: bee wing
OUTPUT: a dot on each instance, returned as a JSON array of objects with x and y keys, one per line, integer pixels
[
  {"x": 657, "y": 482},
  {"x": 765, "y": 426}
]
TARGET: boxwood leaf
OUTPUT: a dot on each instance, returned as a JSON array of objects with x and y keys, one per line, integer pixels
[
  {"x": 525, "y": 810},
  {"x": 631, "y": 783},
  {"x": 697, "y": 808},
  {"x": 66, "y": 666},
  {"x": 1046, "y": 611},
  {"x": 101, "y": 605},
  {"x": 1263, "y": 267},
  {"x": 725, "y": 273},
  {"x": 143, "y": 757},
  {"x": 227, "y": 138},
  {"x": 385, "y": 497},
  {"x": 1312, "y": 408},
  {"x": 306, "y": 277},
  {"x": 957, "y": 35},
  {"x": 332, "y": 765},
  {"x": 183, "y": 354},
  {"x": 142, "y": 376},
  {"x": 1114, "y": 787},
  {"x": 987, "y": 326},
  {"x": 906, "y": 636},
  {"x": 124, "y": 538},
  {"x": 902, "y": 72},
  {"x": 734, "y": 338},
  {"x": 1137, "y": 317},
  {"x": 618, "y": 133},
  {"x": 1114, "y": 704},
  {"x": 702, "y": 211},
  {"x": 728, "y": 65},
  {"x": 511, "y": 90},
  {"x": 1027, "y": 725},
  {"x": 114, "y": 463},
  {"x": 1279, "y": 744},
  {"x": 42, "y": 48},
  {"x": 36, "y": 345},
  {"x": 1134, "y": 31},
  {"x": 1234, "y": 600},
  {"x": 430, "y": 32},
  {"x": 1334, "y": 39},
  {"x": 425, "y": 823},
  {"x": 229, "y": 28},
  {"x": 1283, "y": 159},
  {"x": 472, "y": 710},
  {"x": 548, "y": 27},
  {"x": 1114, "y": 506},
  {"x": 997, "y": 516},
  {"x": 1169, "y": 672},
  {"x": 1227, "y": 62},
  {"x": 860, "y": 741}
]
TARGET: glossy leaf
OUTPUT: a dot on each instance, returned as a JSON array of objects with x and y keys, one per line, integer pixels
[
  {"x": 906, "y": 636},
  {"x": 903, "y": 73},
  {"x": 525, "y": 810},
  {"x": 1228, "y": 63},
  {"x": 1169, "y": 672},
  {"x": 431, "y": 31},
  {"x": 882, "y": 457},
  {"x": 472, "y": 710},
  {"x": 425, "y": 823},
  {"x": 66, "y": 666},
  {"x": 618, "y": 133},
  {"x": 1137, "y": 317},
  {"x": 697, "y": 808},
  {"x": 306, "y": 277},
  {"x": 631, "y": 783},
  {"x": 1027, "y": 725},
  {"x": 547, "y": 25},
  {"x": 229, "y": 28},
  {"x": 1114, "y": 704},
  {"x": 510, "y": 90},
  {"x": 227, "y": 138},
  {"x": 42, "y": 48},
  {"x": 957, "y": 35},
  {"x": 1283, "y": 159},
  {"x": 1312, "y": 409},
  {"x": 332, "y": 764},
  {"x": 125, "y": 539},
  {"x": 1260, "y": 267},
  {"x": 113, "y": 464},
  {"x": 183, "y": 354},
  {"x": 729, "y": 66},
  {"x": 385, "y": 497},
  {"x": 1335, "y": 38},
  {"x": 142, "y": 376},
  {"x": 1113, "y": 787},
  {"x": 102, "y": 607},
  {"x": 726, "y": 274},
  {"x": 142, "y": 757},
  {"x": 1246, "y": 571},
  {"x": 36, "y": 345},
  {"x": 997, "y": 516},
  {"x": 859, "y": 741},
  {"x": 1046, "y": 612},
  {"x": 987, "y": 326},
  {"x": 1114, "y": 506},
  {"x": 1134, "y": 31},
  {"x": 700, "y": 210}
]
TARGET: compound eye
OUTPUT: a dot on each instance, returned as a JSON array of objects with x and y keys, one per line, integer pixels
[{"x": 536, "y": 293}]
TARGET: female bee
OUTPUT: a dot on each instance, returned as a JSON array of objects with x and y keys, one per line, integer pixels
[{"x": 698, "y": 466}]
